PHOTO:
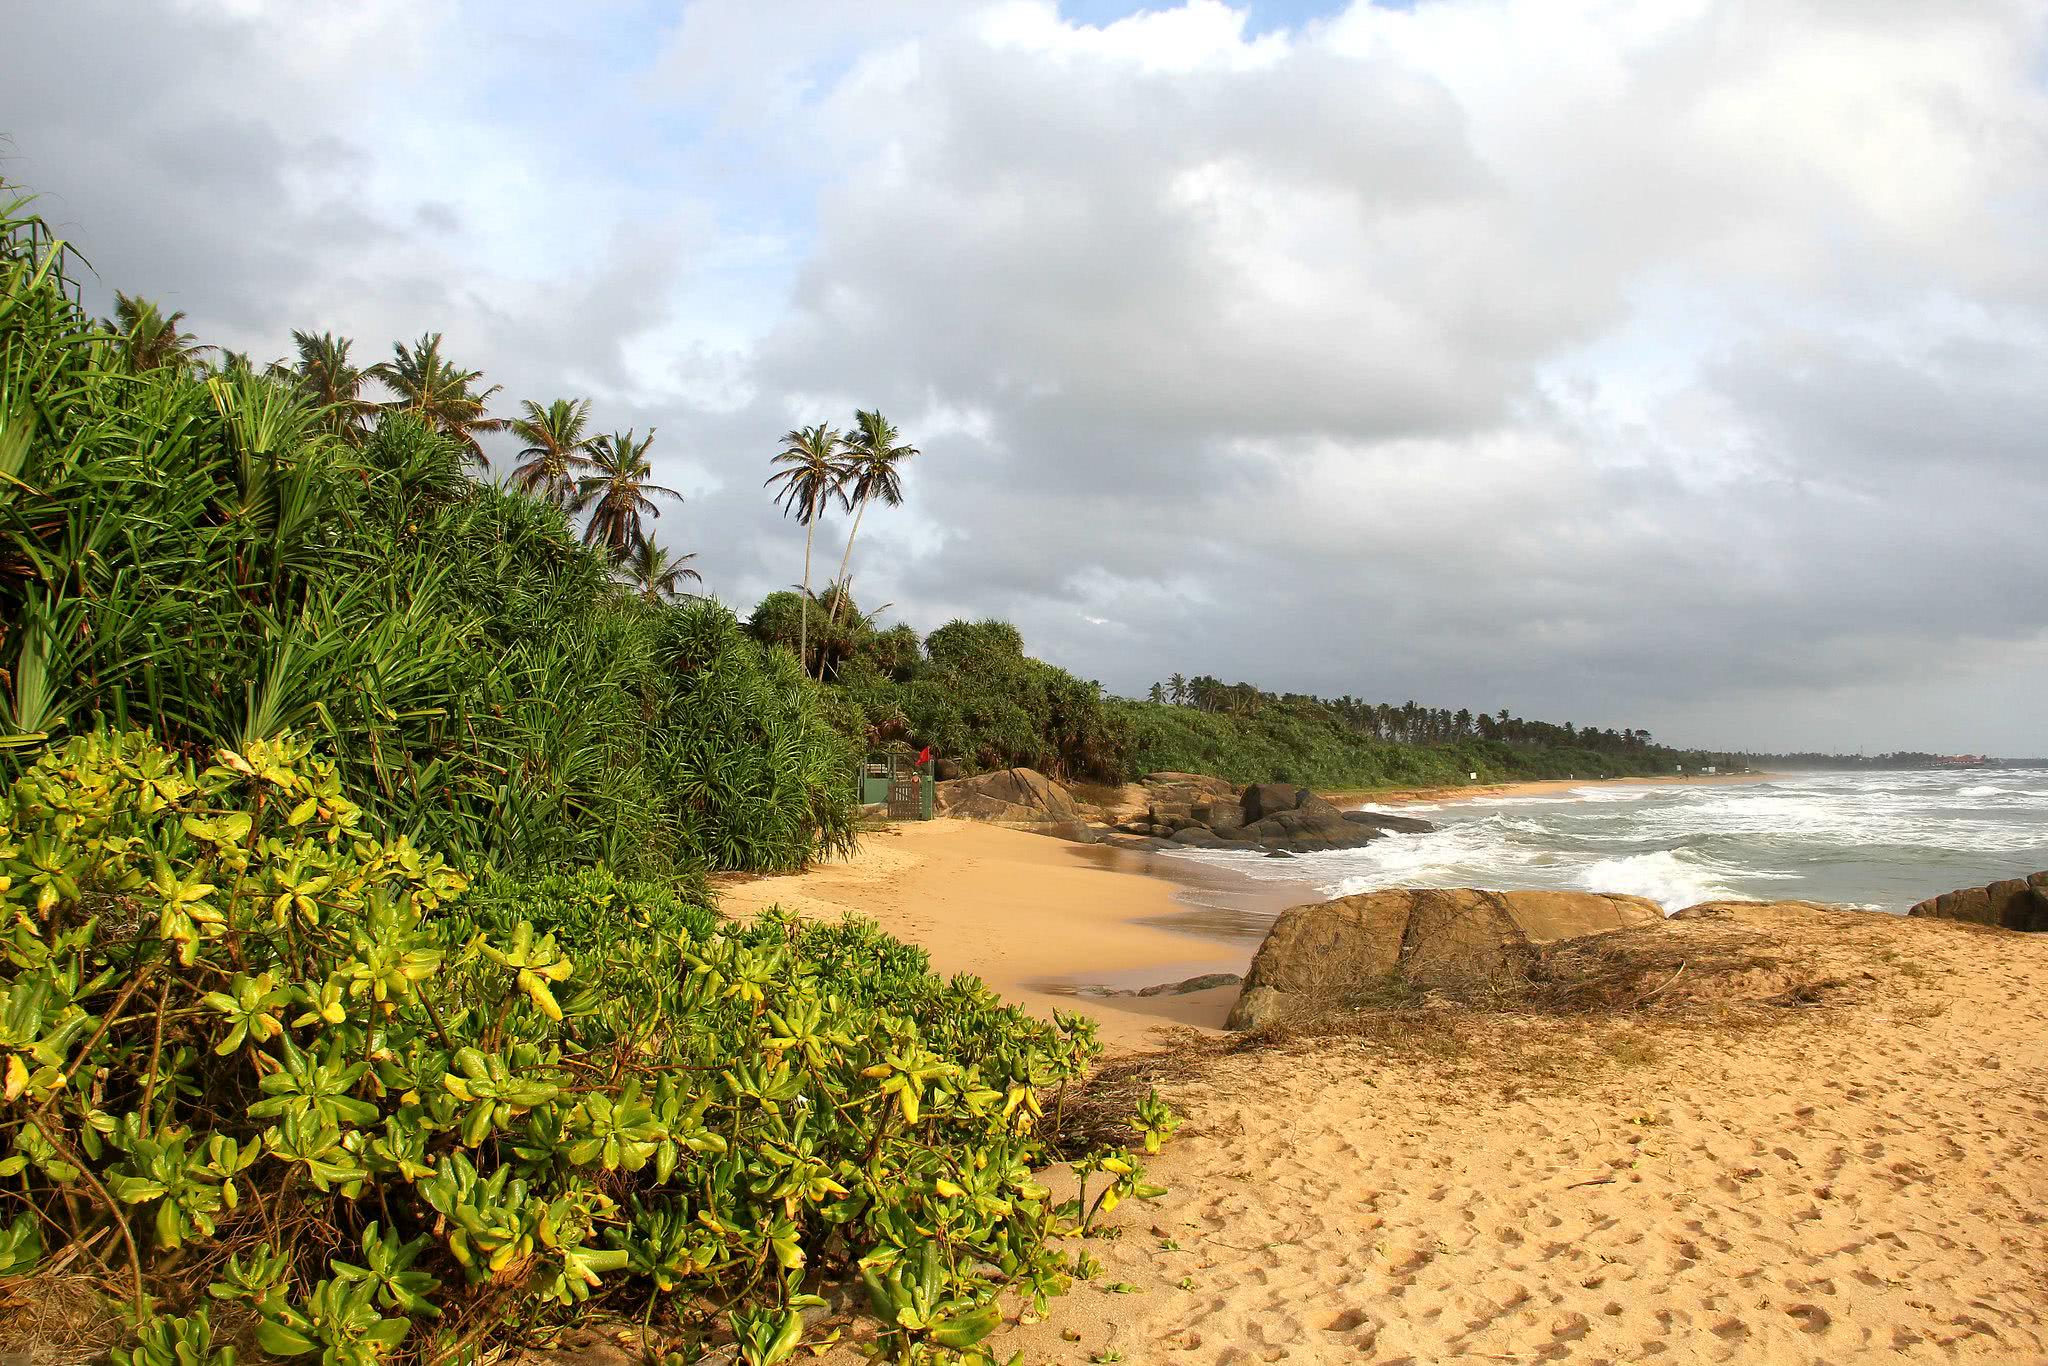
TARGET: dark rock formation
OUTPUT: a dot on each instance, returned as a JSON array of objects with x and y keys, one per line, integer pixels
[
  {"x": 1456, "y": 940},
  {"x": 2019, "y": 903},
  {"x": 1274, "y": 817}
]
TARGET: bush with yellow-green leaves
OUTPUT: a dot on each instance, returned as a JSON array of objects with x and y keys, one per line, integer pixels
[{"x": 301, "y": 1092}]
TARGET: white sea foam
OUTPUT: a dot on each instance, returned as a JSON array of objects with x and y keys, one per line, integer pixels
[
  {"x": 1883, "y": 840},
  {"x": 1666, "y": 877}
]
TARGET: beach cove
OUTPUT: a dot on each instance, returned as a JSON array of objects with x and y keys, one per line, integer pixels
[{"x": 1849, "y": 1180}]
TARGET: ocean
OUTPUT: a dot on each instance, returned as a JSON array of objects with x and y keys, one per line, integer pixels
[{"x": 1881, "y": 841}]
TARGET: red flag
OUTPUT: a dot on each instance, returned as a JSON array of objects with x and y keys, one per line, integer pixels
[{"x": 924, "y": 756}]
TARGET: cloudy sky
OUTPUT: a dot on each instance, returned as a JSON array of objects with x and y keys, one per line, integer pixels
[{"x": 1665, "y": 363}]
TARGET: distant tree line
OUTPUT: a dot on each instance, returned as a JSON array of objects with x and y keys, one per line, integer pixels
[
  {"x": 1904, "y": 759},
  {"x": 1407, "y": 723}
]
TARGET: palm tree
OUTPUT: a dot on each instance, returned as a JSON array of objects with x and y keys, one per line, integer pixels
[
  {"x": 618, "y": 493},
  {"x": 814, "y": 469},
  {"x": 329, "y": 380},
  {"x": 553, "y": 455},
  {"x": 873, "y": 450},
  {"x": 654, "y": 573},
  {"x": 439, "y": 391},
  {"x": 150, "y": 337}
]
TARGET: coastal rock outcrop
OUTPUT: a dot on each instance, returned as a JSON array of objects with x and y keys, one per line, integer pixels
[
  {"x": 1013, "y": 796},
  {"x": 2019, "y": 903},
  {"x": 1206, "y": 813},
  {"x": 1451, "y": 939}
]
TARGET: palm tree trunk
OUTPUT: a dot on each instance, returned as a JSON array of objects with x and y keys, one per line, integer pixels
[
  {"x": 858, "y": 509},
  {"x": 803, "y": 617}
]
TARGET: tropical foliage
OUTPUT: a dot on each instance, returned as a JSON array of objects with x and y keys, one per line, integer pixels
[
  {"x": 299, "y": 1086},
  {"x": 874, "y": 454},
  {"x": 359, "y": 997},
  {"x": 653, "y": 573},
  {"x": 441, "y": 393},
  {"x": 555, "y": 454},
  {"x": 204, "y": 555},
  {"x": 811, "y": 470},
  {"x": 151, "y": 339},
  {"x": 619, "y": 492},
  {"x": 969, "y": 691},
  {"x": 332, "y": 384}
]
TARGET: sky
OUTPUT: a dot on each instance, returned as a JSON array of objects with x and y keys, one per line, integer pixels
[{"x": 1671, "y": 364}]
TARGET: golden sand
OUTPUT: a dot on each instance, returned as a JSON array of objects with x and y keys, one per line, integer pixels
[{"x": 1858, "y": 1181}]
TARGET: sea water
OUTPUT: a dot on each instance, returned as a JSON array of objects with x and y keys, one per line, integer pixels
[{"x": 1882, "y": 841}]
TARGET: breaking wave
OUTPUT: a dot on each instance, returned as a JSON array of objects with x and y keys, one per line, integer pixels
[{"x": 1882, "y": 840}]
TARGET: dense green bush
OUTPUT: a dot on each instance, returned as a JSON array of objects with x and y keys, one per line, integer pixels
[
  {"x": 201, "y": 554},
  {"x": 301, "y": 1088},
  {"x": 968, "y": 690}
]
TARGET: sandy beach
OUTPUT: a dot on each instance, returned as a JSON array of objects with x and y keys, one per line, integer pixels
[
  {"x": 1037, "y": 917},
  {"x": 1856, "y": 1179}
]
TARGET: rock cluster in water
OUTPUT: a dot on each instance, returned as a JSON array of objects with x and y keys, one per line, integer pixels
[{"x": 1275, "y": 817}]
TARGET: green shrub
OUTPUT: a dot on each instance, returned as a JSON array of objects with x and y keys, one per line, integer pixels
[
  {"x": 304, "y": 1075},
  {"x": 202, "y": 555}
]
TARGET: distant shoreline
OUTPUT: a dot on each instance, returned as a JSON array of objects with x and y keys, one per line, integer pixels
[{"x": 1546, "y": 787}]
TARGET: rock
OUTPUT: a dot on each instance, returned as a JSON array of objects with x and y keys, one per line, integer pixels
[
  {"x": 1256, "y": 1008},
  {"x": 1380, "y": 820},
  {"x": 1455, "y": 940},
  {"x": 1080, "y": 832},
  {"x": 1205, "y": 982},
  {"x": 1261, "y": 800},
  {"x": 2019, "y": 903},
  {"x": 1278, "y": 853},
  {"x": 1014, "y": 796},
  {"x": 1275, "y": 817},
  {"x": 946, "y": 770}
]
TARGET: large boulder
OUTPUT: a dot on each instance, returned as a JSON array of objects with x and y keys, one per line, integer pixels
[
  {"x": 1014, "y": 796},
  {"x": 2019, "y": 903},
  {"x": 1261, "y": 800},
  {"x": 1457, "y": 940}
]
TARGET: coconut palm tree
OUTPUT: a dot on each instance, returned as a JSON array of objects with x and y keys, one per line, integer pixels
[
  {"x": 152, "y": 338},
  {"x": 553, "y": 455},
  {"x": 439, "y": 391},
  {"x": 329, "y": 380},
  {"x": 874, "y": 451},
  {"x": 813, "y": 470},
  {"x": 618, "y": 494},
  {"x": 655, "y": 574}
]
